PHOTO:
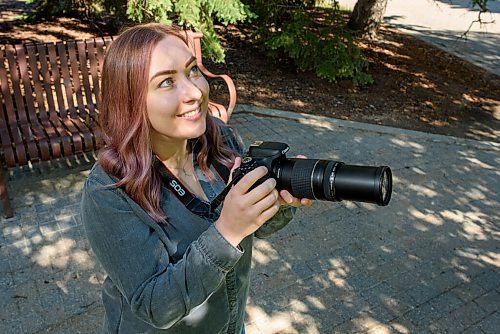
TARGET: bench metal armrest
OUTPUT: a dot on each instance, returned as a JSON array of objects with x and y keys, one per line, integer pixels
[{"x": 195, "y": 38}]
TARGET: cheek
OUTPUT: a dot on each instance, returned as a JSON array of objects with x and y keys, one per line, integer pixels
[
  {"x": 162, "y": 104},
  {"x": 159, "y": 109}
]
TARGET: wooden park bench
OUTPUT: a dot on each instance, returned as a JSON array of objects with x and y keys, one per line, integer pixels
[{"x": 49, "y": 100}]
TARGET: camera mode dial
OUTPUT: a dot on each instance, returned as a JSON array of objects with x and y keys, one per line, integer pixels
[{"x": 247, "y": 165}]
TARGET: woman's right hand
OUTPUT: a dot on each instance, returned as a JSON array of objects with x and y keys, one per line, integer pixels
[{"x": 244, "y": 211}]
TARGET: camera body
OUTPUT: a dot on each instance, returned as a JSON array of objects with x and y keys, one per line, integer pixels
[
  {"x": 317, "y": 179},
  {"x": 268, "y": 154}
]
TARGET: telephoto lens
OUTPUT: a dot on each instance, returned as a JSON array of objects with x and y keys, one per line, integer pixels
[
  {"x": 326, "y": 180},
  {"x": 334, "y": 181}
]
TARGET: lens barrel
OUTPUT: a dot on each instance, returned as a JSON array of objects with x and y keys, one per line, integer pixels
[
  {"x": 334, "y": 181},
  {"x": 364, "y": 184}
]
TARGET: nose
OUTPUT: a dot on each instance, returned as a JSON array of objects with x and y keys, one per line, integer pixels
[{"x": 193, "y": 91}]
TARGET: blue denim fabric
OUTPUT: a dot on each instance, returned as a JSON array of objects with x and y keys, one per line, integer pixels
[{"x": 179, "y": 277}]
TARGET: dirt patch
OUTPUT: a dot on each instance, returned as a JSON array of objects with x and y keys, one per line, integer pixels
[{"x": 416, "y": 86}]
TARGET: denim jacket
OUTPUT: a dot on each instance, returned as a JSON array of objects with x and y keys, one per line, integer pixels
[{"x": 179, "y": 277}]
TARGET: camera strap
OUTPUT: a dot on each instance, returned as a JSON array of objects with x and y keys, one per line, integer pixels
[
  {"x": 220, "y": 198},
  {"x": 187, "y": 198}
]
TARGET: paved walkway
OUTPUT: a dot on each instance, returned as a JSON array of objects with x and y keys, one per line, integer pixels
[
  {"x": 427, "y": 263},
  {"x": 443, "y": 22}
]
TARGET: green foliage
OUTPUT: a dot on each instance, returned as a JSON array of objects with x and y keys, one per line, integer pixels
[
  {"x": 196, "y": 14},
  {"x": 284, "y": 26},
  {"x": 289, "y": 27},
  {"x": 49, "y": 8}
]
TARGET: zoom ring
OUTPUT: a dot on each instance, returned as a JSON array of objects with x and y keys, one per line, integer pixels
[{"x": 301, "y": 179}]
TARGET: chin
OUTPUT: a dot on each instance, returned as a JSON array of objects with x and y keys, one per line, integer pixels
[{"x": 200, "y": 129}]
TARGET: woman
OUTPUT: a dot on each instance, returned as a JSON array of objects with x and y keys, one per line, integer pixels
[{"x": 173, "y": 266}]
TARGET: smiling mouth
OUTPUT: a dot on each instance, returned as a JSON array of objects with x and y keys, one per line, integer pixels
[{"x": 190, "y": 114}]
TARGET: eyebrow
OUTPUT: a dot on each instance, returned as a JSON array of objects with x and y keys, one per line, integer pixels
[
  {"x": 193, "y": 58},
  {"x": 166, "y": 72},
  {"x": 157, "y": 74}
]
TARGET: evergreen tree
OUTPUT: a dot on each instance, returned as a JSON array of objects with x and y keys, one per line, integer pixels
[{"x": 197, "y": 14}]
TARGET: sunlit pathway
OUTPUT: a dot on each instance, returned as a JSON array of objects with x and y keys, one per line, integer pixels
[
  {"x": 443, "y": 24},
  {"x": 427, "y": 262}
]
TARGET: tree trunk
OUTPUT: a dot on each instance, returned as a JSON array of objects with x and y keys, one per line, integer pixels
[{"x": 367, "y": 16}]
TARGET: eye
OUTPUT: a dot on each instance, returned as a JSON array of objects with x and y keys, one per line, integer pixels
[
  {"x": 194, "y": 71},
  {"x": 166, "y": 83}
]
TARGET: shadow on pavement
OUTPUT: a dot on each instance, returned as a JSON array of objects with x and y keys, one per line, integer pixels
[
  {"x": 427, "y": 262},
  {"x": 493, "y": 6}
]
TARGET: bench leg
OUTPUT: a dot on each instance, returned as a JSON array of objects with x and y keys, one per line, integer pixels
[{"x": 4, "y": 196}]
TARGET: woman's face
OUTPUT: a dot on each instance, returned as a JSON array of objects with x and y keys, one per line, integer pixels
[{"x": 177, "y": 94}]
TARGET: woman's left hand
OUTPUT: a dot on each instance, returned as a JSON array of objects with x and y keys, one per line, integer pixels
[{"x": 287, "y": 199}]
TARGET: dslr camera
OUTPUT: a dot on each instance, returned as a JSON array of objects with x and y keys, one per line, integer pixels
[{"x": 325, "y": 180}]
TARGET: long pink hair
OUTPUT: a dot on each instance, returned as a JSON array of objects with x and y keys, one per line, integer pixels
[{"x": 123, "y": 117}]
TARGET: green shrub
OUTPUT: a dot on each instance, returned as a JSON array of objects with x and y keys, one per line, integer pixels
[{"x": 314, "y": 38}]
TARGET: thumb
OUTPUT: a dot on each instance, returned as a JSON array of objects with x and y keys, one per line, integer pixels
[{"x": 237, "y": 163}]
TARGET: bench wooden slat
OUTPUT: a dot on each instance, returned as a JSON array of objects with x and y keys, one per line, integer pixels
[
  {"x": 10, "y": 139},
  {"x": 60, "y": 110},
  {"x": 27, "y": 134},
  {"x": 25, "y": 83},
  {"x": 91, "y": 117},
  {"x": 75, "y": 67},
  {"x": 86, "y": 50},
  {"x": 89, "y": 106},
  {"x": 41, "y": 81},
  {"x": 65, "y": 138},
  {"x": 37, "y": 81},
  {"x": 80, "y": 111},
  {"x": 94, "y": 66},
  {"x": 14, "y": 86},
  {"x": 46, "y": 78},
  {"x": 85, "y": 133},
  {"x": 59, "y": 67},
  {"x": 100, "y": 44},
  {"x": 5, "y": 137},
  {"x": 75, "y": 136},
  {"x": 64, "y": 70},
  {"x": 30, "y": 85},
  {"x": 47, "y": 55},
  {"x": 97, "y": 50},
  {"x": 4, "y": 82}
]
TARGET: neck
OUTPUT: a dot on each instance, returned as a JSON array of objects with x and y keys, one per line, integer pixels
[{"x": 173, "y": 155}]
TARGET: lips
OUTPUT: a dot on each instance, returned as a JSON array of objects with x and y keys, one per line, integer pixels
[{"x": 189, "y": 114}]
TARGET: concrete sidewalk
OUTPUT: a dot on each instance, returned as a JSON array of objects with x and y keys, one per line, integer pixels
[
  {"x": 427, "y": 263},
  {"x": 443, "y": 23}
]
